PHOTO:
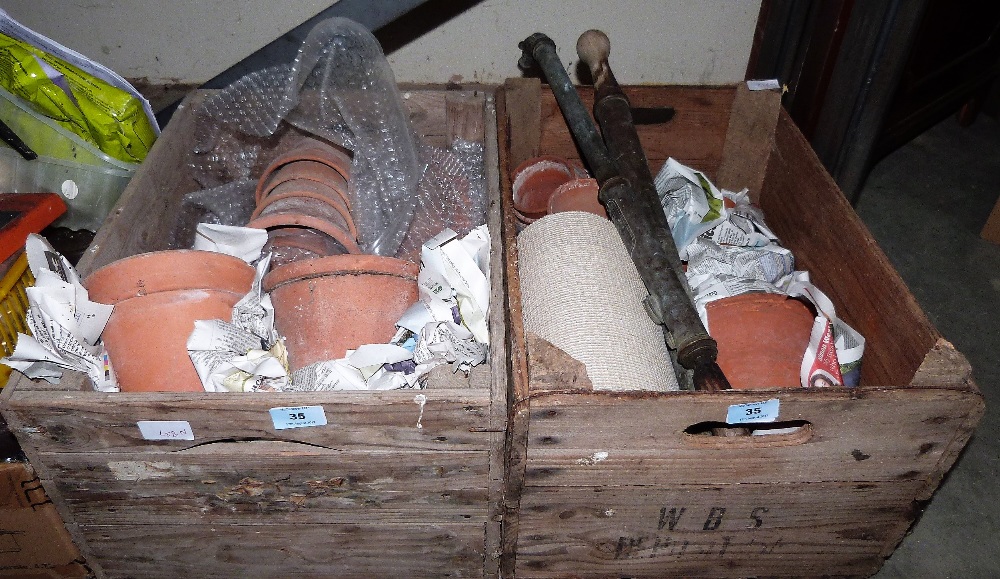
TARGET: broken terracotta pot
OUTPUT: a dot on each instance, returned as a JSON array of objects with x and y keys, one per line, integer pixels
[
  {"x": 308, "y": 149},
  {"x": 533, "y": 183},
  {"x": 327, "y": 306},
  {"x": 577, "y": 195},
  {"x": 762, "y": 338},
  {"x": 157, "y": 297}
]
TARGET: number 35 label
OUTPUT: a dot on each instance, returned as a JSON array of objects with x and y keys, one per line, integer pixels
[
  {"x": 766, "y": 411},
  {"x": 297, "y": 417}
]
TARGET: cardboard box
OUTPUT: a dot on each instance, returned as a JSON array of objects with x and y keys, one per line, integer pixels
[
  {"x": 632, "y": 484},
  {"x": 390, "y": 487},
  {"x": 33, "y": 540}
]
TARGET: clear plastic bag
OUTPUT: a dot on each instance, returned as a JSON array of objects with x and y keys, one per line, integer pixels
[{"x": 340, "y": 88}]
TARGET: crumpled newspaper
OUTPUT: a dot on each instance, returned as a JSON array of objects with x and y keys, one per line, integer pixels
[
  {"x": 448, "y": 324},
  {"x": 244, "y": 354},
  {"x": 693, "y": 205},
  {"x": 65, "y": 325},
  {"x": 731, "y": 251}
]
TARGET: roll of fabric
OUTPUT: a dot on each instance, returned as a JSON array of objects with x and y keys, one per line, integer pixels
[{"x": 581, "y": 292}]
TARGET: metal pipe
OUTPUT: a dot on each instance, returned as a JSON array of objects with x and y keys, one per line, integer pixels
[{"x": 637, "y": 215}]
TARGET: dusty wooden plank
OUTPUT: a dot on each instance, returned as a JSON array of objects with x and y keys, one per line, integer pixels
[
  {"x": 281, "y": 485},
  {"x": 954, "y": 448},
  {"x": 498, "y": 345},
  {"x": 449, "y": 420},
  {"x": 521, "y": 139},
  {"x": 342, "y": 551},
  {"x": 695, "y": 135},
  {"x": 941, "y": 367},
  {"x": 517, "y": 132},
  {"x": 719, "y": 530},
  {"x": 811, "y": 216},
  {"x": 589, "y": 439},
  {"x": 749, "y": 139}
]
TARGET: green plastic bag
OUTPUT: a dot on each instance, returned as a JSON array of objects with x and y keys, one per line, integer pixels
[{"x": 104, "y": 115}]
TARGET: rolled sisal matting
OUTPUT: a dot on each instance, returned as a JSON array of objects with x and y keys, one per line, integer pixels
[{"x": 581, "y": 292}]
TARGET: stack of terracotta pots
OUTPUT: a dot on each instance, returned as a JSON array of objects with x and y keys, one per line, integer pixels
[
  {"x": 328, "y": 296},
  {"x": 302, "y": 202},
  {"x": 158, "y": 297},
  {"x": 550, "y": 184}
]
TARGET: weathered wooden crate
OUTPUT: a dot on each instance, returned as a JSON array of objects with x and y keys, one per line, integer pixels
[
  {"x": 616, "y": 484},
  {"x": 372, "y": 494}
]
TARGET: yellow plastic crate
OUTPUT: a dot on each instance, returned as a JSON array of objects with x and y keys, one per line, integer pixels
[{"x": 13, "y": 309}]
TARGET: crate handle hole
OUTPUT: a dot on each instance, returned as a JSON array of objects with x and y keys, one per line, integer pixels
[{"x": 750, "y": 434}]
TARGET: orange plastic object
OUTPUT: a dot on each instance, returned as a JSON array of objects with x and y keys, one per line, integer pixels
[{"x": 24, "y": 213}]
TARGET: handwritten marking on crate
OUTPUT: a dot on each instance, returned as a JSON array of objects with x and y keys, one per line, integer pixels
[{"x": 165, "y": 429}]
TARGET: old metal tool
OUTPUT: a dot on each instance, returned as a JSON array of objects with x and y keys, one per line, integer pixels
[{"x": 619, "y": 165}]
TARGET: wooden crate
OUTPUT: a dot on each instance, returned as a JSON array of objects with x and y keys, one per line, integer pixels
[
  {"x": 610, "y": 484},
  {"x": 370, "y": 494}
]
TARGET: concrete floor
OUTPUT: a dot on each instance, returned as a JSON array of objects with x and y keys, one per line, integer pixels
[{"x": 925, "y": 204}]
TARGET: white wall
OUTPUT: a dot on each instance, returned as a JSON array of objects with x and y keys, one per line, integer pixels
[
  {"x": 652, "y": 41},
  {"x": 190, "y": 41}
]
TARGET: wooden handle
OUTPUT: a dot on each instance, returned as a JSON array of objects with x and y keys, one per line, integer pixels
[{"x": 594, "y": 48}]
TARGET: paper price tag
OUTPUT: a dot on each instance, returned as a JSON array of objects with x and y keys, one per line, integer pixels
[
  {"x": 297, "y": 417},
  {"x": 165, "y": 429},
  {"x": 769, "y": 84},
  {"x": 766, "y": 411}
]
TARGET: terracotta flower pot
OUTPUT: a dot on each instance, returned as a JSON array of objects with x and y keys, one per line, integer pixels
[
  {"x": 306, "y": 212},
  {"x": 761, "y": 337},
  {"x": 288, "y": 244},
  {"x": 577, "y": 195},
  {"x": 308, "y": 150},
  {"x": 158, "y": 297},
  {"x": 533, "y": 183},
  {"x": 327, "y": 306},
  {"x": 306, "y": 171},
  {"x": 311, "y": 190}
]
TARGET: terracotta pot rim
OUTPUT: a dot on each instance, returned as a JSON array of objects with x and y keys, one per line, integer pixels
[
  {"x": 292, "y": 220},
  {"x": 312, "y": 150},
  {"x": 115, "y": 282},
  {"x": 527, "y": 218},
  {"x": 543, "y": 163},
  {"x": 341, "y": 210},
  {"x": 338, "y": 190},
  {"x": 571, "y": 193},
  {"x": 334, "y": 265},
  {"x": 286, "y": 173},
  {"x": 753, "y": 296}
]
